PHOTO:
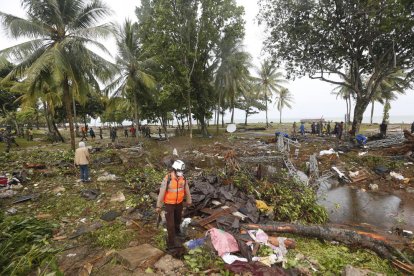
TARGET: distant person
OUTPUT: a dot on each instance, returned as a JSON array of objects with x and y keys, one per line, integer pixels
[
  {"x": 336, "y": 127},
  {"x": 313, "y": 128},
  {"x": 8, "y": 139},
  {"x": 125, "y": 133},
  {"x": 317, "y": 129},
  {"x": 92, "y": 134},
  {"x": 100, "y": 133},
  {"x": 82, "y": 160},
  {"x": 30, "y": 134},
  {"x": 328, "y": 129},
  {"x": 383, "y": 129},
  {"x": 294, "y": 129},
  {"x": 84, "y": 131},
  {"x": 113, "y": 134},
  {"x": 302, "y": 128},
  {"x": 340, "y": 130},
  {"x": 320, "y": 127},
  {"x": 412, "y": 127},
  {"x": 133, "y": 131},
  {"x": 159, "y": 132}
]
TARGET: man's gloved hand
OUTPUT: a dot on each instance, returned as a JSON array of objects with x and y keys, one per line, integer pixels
[{"x": 158, "y": 210}]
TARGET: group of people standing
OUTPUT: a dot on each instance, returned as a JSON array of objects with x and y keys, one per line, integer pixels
[{"x": 320, "y": 128}]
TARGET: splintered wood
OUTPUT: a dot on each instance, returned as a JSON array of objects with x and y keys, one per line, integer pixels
[
  {"x": 359, "y": 176},
  {"x": 232, "y": 165}
]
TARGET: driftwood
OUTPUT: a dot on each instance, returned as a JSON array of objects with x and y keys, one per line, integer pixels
[
  {"x": 361, "y": 239},
  {"x": 406, "y": 147}
]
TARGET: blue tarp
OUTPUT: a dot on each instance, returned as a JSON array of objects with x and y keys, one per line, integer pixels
[
  {"x": 277, "y": 133},
  {"x": 361, "y": 139}
]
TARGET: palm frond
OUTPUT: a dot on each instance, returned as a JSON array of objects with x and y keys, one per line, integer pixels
[{"x": 18, "y": 27}]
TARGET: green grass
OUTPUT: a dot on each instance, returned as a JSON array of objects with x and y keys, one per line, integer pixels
[
  {"x": 331, "y": 259},
  {"x": 112, "y": 236},
  {"x": 24, "y": 245}
]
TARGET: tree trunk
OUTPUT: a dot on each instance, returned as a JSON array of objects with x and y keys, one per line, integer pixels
[
  {"x": 280, "y": 116},
  {"x": 267, "y": 122},
  {"x": 245, "y": 119},
  {"x": 136, "y": 114},
  {"x": 347, "y": 109},
  {"x": 351, "y": 238},
  {"x": 232, "y": 114},
  {"x": 190, "y": 124},
  {"x": 204, "y": 130},
  {"x": 46, "y": 111},
  {"x": 67, "y": 101},
  {"x": 350, "y": 108},
  {"x": 37, "y": 119},
  {"x": 56, "y": 132},
  {"x": 372, "y": 111},
  {"x": 360, "y": 107},
  {"x": 222, "y": 119}
]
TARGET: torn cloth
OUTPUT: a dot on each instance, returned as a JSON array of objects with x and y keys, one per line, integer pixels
[{"x": 222, "y": 241}]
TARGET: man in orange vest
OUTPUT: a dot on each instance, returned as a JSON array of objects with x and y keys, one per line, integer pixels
[{"x": 174, "y": 188}]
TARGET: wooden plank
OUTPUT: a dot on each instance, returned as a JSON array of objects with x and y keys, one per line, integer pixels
[{"x": 214, "y": 216}]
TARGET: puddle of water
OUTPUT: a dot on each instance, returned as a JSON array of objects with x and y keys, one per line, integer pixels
[{"x": 348, "y": 205}]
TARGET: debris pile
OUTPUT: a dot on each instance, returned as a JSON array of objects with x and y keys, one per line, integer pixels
[{"x": 222, "y": 209}]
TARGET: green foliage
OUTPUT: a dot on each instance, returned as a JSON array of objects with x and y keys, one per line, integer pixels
[
  {"x": 292, "y": 201},
  {"x": 145, "y": 180},
  {"x": 112, "y": 236},
  {"x": 331, "y": 259},
  {"x": 201, "y": 259},
  {"x": 24, "y": 244},
  {"x": 160, "y": 239},
  {"x": 372, "y": 161},
  {"x": 325, "y": 39}
]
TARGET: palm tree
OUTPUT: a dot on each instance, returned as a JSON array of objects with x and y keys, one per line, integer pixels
[
  {"x": 232, "y": 74},
  {"x": 270, "y": 82},
  {"x": 134, "y": 64},
  {"x": 59, "y": 33},
  {"x": 387, "y": 91},
  {"x": 345, "y": 93},
  {"x": 284, "y": 98},
  {"x": 249, "y": 99}
]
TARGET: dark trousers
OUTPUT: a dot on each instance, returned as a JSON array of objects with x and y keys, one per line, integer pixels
[
  {"x": 173, "y": 215},
  {"x": 84, "y": 172}
]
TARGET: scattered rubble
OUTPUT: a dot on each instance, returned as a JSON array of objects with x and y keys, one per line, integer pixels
[
  {"x": 118, "y": 197},
  {"x": 141, "y": 256},
  {"x": 107, "y": 177}
]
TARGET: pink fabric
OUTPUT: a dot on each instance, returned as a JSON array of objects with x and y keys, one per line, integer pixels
[{"x": 222, "y": 241}]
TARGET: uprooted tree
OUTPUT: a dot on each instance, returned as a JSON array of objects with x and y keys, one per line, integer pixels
[{"x": 327, "y": 38}]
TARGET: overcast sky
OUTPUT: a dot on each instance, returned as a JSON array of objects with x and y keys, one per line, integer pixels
[{"x": 312, "y": 98}]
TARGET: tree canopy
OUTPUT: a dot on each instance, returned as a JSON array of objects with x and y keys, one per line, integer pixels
[{"x": 326, "y": 39}]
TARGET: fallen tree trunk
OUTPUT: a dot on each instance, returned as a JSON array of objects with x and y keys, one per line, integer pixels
[{"x": 367, "y": 240}]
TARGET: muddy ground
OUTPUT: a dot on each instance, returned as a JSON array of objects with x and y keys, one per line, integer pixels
[{"x": 82, "y": 237}]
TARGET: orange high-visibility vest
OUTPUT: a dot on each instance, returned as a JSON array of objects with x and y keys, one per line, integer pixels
[{"x": 175, "y": 190}]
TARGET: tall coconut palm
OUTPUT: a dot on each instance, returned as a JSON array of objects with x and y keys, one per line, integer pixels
[
  {"x": 283, "y": 99},
  {"x": 270, "y": 82},
  {"x": 135, "y": 77},
  {"x": 345, "y": 93},
  {"x": 387, "y": 91},
  {"x": 232, "y": 74},
  {"x": 59, "y": 33}
]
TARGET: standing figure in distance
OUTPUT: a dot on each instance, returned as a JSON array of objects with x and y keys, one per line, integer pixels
[{"x": 82, "y": 160}]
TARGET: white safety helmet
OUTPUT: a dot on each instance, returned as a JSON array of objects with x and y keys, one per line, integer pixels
[{"x": 178, "y": 165}]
